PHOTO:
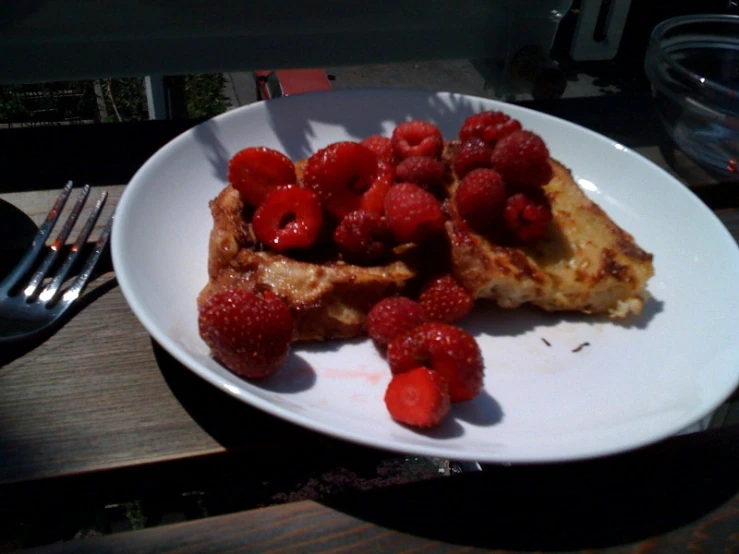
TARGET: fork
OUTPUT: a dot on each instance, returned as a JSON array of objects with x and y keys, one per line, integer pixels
[{"x": 29, "y": 308}]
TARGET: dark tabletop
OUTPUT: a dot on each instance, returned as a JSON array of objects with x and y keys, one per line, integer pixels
[{"x": 99, "y": 410}]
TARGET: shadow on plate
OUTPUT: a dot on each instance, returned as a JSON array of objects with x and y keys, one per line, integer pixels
[
  {"x": 231, "y": 422},
  {"x": 338, "y": 109},
  {"x": 295, "y": 375},
  {"x": 206, "y": 134},
  {"x": 574, "y": 506},
  {"x": 489, "y": 319},
  {"x": 238, "y": 426},
  {"x": 341, "y": 111},
  {"x": 652, "y": 307},
  {"x": 328, "y": 345},
  {"x": 482, "y": 411}
]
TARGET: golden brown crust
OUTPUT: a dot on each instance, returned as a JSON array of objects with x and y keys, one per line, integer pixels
[
  {"x": 328, "y": 300},
  {"x": 584, "y": 263}
]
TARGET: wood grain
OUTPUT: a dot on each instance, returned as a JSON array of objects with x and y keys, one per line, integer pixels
[
  {"x": 91, "y": 396},
  {"x": 36, "y": 204},
  {"x": 99, "y": 394},
  {"x": 308, "y": 526},
  {"x": 304, "y": 526},
  {"x": 678, "y": 496}
]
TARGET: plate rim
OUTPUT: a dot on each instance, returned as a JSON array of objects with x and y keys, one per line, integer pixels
[{"x": 440, "y": 450}]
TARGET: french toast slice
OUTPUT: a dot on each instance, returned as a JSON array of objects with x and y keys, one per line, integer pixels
[
  {"x": 585, "y": 262},
  {"x": 329, "y": 299}
]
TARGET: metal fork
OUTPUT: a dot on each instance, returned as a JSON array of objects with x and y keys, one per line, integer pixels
[{"x": 28, "y": 308}]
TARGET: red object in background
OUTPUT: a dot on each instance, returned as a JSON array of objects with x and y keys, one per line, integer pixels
[{"x": 286, "y": 82}]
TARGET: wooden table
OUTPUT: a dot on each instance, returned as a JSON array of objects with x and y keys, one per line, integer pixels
[{"x": 102, "y": 412}]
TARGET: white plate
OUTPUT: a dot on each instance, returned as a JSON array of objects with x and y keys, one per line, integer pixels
[{"x": 631, "y": 386}]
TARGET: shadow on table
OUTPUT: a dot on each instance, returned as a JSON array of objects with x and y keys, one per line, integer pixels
[
  {"x": 236, "y": 425},
  {"x": 16, "y": 234},
  {"x": 17, "y": 231},
  {"x": 229, "y": 421},
  {"x": 569, "y": 506},
  {"x": 38, "y": 158}
]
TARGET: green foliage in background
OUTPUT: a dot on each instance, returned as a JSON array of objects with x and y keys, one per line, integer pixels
[
  {"x": 125, "y": 99},
  {"x": 11, "y": 105},
  {"x": 204, "y": 95},
  {"x": 106, "y": 100},
  {"x": 46, "y": 102}
]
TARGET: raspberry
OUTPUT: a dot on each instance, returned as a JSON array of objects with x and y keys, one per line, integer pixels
[
  {"x": 381, "y": 146},
  {"x": 373, "y": 200},
  {"x": 522, "y": 159},
  {"x": 536, "y": 176},
  {"x": 527, "y": 216},
  {"x": 428, "y": 173},
  {"x": 444, "y": 300},
  {"x": 362, "y": 237},
  {"x": 392, "y": 317},
  {"x": 417, "y": 138},
  {"x": 248, "y": 333},
  {"x": 489, "y": 126},
  {"x": 412, "y": 213},
  {"x": 348, "y": 177},
  {"x": 480, "y": 198},
  {"x": 419, "y": 398},
  {"x": 290, "y": 217},
  {"x": 254, "y": 172},
  {"x": 444, "y": 348},
  {"x": 473, "y": 153}
]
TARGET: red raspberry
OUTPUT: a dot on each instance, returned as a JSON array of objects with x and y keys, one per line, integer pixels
[
  {"x": 536, "y": 176},
  {"x": 373, "y": 200},
  {"x": 254, "y": 172},
  {"x": 522, "y": 158},
  {"x": 527, "y": 216},
  {"x": 382, "y": 147},
  {"x": 248, "y": 333},
  {"x": 480, "y": 198},
  {"x": 412, "y": 213},
  {"x": 417, "y": 138},
  {"x": 426, "y": 172},
  {"x": 348, "y": 177},
  {"x": 443, "y": 348},
  {"x": 419, "y": 398},
  {"x": 290, "y": 217},
  {"x": 472, "y": 154},
  {"x": 362, "y": 237},
  {"x": 489, "y": 126},
  {"x": 444, "y": 300},
  {"x": 392, "y": 317}
]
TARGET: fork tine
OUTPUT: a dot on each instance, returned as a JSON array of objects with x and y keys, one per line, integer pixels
[
  {"x": 74, "y": 291},
  {"x": 39, "y": 240},
  {"x": 50, "y": 291},
  {"x": 57, "y": 245}
]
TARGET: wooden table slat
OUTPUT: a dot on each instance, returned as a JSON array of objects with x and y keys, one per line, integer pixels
[
  {"x": 682, "y": 495},
  {"x": 99, "y": 397},
  {"x": 64, "y": 396}
]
